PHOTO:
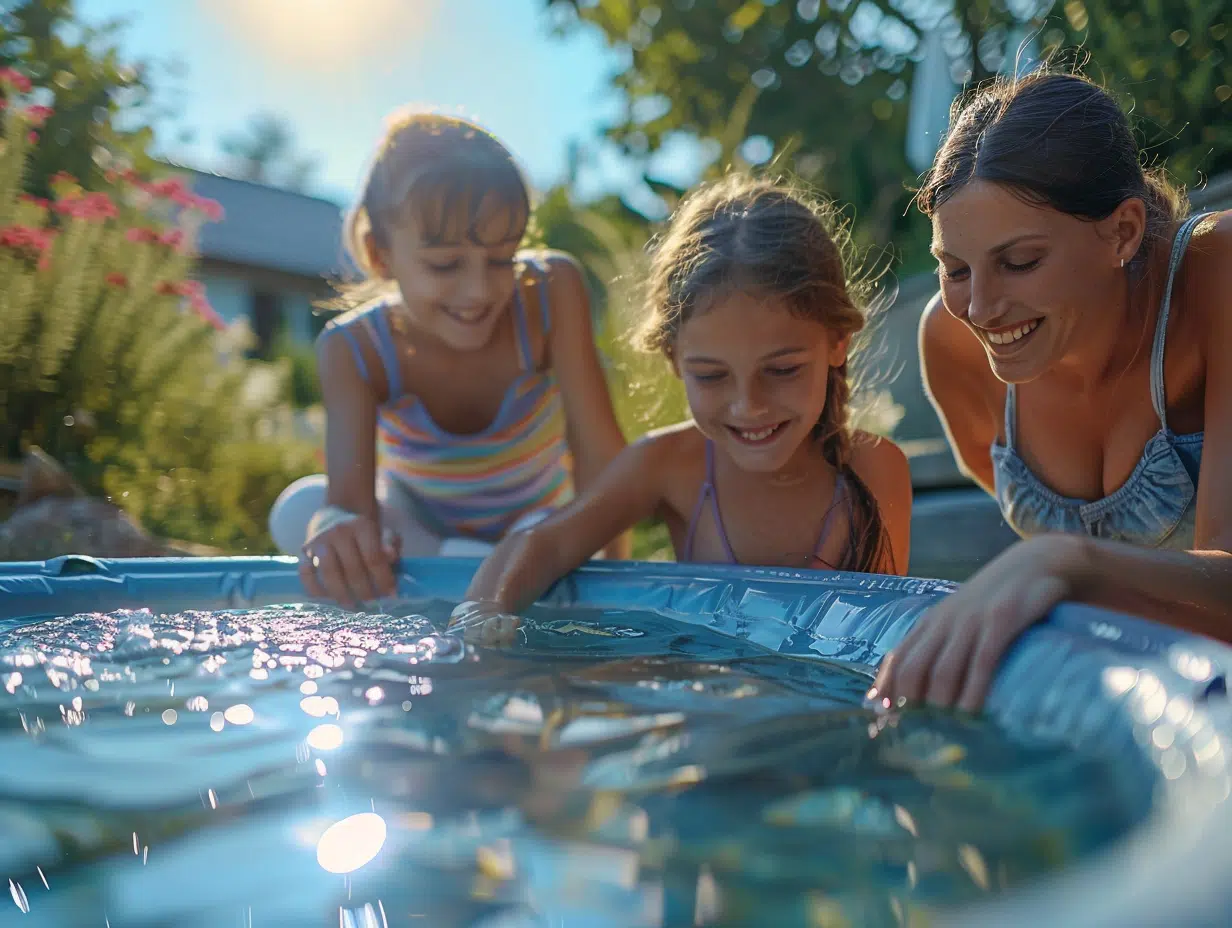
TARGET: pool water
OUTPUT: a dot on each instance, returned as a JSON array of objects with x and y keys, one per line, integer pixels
[{"x": 300, "y": 766}]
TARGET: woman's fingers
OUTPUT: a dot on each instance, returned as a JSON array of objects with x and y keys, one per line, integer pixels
[{"x": 905, "y": 671}]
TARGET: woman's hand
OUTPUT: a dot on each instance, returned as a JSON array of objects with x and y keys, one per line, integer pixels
[
  {"x": 951, "y": 655},
  {"x": 348, "y": 559}
]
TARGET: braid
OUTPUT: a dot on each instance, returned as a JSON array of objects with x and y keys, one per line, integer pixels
[{"x": 867, "y": 549}]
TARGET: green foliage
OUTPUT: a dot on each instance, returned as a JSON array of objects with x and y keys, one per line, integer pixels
[
  {"x": 264, "y": 152},
  {"x": 110, "y": 360},
  {"x": 100, "y": 102},
  {"x": 300, "y": 362},
  {"x": 825, "y": 83}
]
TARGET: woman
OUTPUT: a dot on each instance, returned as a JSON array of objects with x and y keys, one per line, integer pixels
[{"x": 1080, "y": 357}]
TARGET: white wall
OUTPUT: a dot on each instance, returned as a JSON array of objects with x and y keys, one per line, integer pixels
[{"x": 231, "y": 296}]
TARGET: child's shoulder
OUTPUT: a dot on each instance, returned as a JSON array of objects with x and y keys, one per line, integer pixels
[
  {"x": 880, "y": 463},
  {"x": 559, "y": 271},
  {"x": 672, "y": 444},
  {"x": 348, "y": 318}
]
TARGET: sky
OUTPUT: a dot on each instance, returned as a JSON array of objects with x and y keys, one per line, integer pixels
[{"x": 334, "y": 69}]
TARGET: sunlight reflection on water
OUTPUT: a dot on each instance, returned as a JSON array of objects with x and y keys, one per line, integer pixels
[{"x": 613, "y": 767}]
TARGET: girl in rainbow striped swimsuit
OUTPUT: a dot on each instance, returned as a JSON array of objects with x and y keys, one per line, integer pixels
[{"x": 464, "y": 396}]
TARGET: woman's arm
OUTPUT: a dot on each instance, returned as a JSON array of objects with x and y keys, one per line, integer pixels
[
  {"x": 884, "y": 469},
  {"x": 952, "y": 655},
  {"x": 593, "y": 434},
  {"x": 526, "y": 564},
  {"x": 962, "y": 389}
]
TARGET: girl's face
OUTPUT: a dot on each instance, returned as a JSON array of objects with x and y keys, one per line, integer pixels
[
  {"x": 456, "y": 292},
  {"x": 755, "y": 375}
]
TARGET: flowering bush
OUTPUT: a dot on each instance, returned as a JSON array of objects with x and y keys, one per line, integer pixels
[{"x": 110, "y": 355}]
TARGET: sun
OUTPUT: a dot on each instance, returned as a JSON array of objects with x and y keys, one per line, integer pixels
[{"x": 325, "y": 35}]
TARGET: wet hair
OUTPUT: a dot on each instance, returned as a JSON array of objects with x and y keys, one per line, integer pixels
[
  {"x": 1053, "y": 139},
  {"x": 756, "y": 236},
  {"x": 444, "y": 173}
]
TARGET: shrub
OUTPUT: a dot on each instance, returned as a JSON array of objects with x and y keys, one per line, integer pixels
[{"x": 112, "y": 361}]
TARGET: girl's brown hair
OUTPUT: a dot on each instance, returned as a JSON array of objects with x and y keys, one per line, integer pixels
[
  {"x": 446, "y": 174},
  {"x": 750, "y": 235}
]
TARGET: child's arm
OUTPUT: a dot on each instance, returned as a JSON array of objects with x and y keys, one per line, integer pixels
[
  {"x": 347, "y": 559},
  {"x": 593, "y": 434},
  {"x": 884, "y": 469},
  {"x": 526, "y": 563}
]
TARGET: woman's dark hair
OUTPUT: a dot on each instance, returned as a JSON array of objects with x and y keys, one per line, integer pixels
[
  {"x": 1056, "y": 140},
  {"x": 750, "y": 235}
]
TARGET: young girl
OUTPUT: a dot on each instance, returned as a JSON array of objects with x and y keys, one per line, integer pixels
[
  {"x": 470, "y": 364},
  {"x": 749, "y": 302}
]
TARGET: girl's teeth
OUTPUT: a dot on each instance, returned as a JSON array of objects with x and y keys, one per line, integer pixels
[
  {"x": 1006, "y": 338},
  {"x": 759, "y": 434}
]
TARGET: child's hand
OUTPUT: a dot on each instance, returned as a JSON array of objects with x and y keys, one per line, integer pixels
[
  {"x": 349, "y": 559},
  {"x": 484, "y": 622}
]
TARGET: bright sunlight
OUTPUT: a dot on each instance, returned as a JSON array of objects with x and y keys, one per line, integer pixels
[{"x": 326, "y": 35}]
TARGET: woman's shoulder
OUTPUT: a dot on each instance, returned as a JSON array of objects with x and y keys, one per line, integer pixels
[{"x": 1206, "y": 271}]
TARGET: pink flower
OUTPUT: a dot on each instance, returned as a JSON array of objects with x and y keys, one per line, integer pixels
[
  {"x": 34, "y": 201},
  {"x": 38, "y": 115},
  {"x": 26, "y": 240},
  {"x": 211, "y": 209},
  {"x": 11, "y": 77},
  {"x": 32, "y": 137},
  {"x": 173, "y": 239},
  {"x": 92, "y": 207},
  {"x": 116, "y": 279},
  {"x": 138, "y": 235}
]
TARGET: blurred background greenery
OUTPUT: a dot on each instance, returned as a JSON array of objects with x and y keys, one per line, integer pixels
[{"x": 821, "y": 90}]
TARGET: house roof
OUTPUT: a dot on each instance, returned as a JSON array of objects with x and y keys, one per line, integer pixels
[{"x": 271, "y": 228}]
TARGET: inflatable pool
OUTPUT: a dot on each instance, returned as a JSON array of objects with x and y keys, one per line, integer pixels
[{"x": 1151, "y": 697}]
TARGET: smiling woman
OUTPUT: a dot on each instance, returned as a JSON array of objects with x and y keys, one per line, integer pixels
[
  {"x": 325, "y": 34},
  {"x": 1080, "y": 357}
]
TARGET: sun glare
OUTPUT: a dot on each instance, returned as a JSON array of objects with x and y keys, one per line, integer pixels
[{"x": 325, "y": 34}]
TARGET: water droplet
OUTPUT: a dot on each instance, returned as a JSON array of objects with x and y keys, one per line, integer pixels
[{"x": 169, "y": 716}]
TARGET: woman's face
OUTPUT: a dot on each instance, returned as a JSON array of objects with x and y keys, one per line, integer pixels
[{"x": 1030, "y": 281}]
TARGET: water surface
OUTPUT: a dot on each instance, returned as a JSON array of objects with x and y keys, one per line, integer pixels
[{"x": 300, "y": 767}]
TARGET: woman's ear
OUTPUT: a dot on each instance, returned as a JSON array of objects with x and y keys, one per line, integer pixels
[{"x": 1125, "y": 229}]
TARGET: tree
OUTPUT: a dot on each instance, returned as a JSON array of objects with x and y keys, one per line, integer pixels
[
  {"x": 823, "y": 87},
  {"x": 100, "y": 105},
  {"x": 264, "y": 152}
]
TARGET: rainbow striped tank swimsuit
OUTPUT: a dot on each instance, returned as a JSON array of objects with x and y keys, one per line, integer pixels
[{"x": 476, "y": 485}]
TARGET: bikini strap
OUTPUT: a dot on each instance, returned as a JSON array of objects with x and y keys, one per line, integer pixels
[
  {"x": 1179, "y": 244},
  {"x": 386, "y": 351},
  {"x": 545, "y": 312},
  {"x": 526, "y": 358},
  {"x": 840, "y": 491},
  {"x": 374, "y": 322},
  {"x": 709, "y": 491},
  {"x": 1011, "y": 415}
]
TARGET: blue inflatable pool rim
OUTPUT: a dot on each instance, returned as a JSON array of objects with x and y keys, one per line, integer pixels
[{"x": 1153, "y": 697}]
